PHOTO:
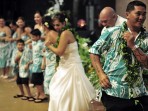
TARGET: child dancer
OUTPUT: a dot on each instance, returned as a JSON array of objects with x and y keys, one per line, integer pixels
[
  {"x": 25, "y": 80},
  {"x": 37, "y": 74}
]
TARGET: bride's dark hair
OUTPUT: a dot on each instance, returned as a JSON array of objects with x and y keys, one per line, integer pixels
[{"x": 61, "y": 16}]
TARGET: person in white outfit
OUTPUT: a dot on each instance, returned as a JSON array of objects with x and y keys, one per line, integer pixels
[{"x": 70, "y": 89}]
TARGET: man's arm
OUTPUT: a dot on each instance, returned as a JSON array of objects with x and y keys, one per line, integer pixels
[
  {"x": 103, "y": 78},
  {"x": 141, "y": 56}
]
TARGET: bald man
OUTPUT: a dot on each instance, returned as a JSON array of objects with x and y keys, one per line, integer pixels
[{"x": 108, "y": 18}]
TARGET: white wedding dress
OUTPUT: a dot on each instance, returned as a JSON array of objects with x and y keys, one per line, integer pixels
[{"x": 70, "y": 89}]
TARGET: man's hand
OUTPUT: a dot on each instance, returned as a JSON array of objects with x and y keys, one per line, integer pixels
[
  {"x": 129, "y": 38},
  {"x": 104, "y": 81}
]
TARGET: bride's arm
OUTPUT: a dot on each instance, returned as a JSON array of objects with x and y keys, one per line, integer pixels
[{"x": 64, "y": 40}]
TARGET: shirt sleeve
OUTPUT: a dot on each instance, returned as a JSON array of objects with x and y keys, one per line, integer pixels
[
  {"x": 100, "y": 45},
  {"x": 144, "y": 44}
]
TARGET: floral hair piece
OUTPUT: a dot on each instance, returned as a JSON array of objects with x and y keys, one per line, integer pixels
[{"x": 46, "y": 24}]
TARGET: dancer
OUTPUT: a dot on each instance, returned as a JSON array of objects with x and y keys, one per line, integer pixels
[
  {"x": 38, "y": 18},
  {"x": 70, "y": 89},
  {"x": 5, "y": 35},
  {"x": 21, "y": 80},
  {"x": 120, "y": 75},
  {"x": 37, "y": 74},
  {"x": 49, "y": 56}
]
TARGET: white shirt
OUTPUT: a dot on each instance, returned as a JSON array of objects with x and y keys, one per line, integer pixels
[{"x": 119, "y": 21}]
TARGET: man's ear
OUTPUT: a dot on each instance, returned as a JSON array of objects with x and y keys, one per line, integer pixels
[
  {"x": 114, "y": 16},
  {"x": 127, "y": 14}
]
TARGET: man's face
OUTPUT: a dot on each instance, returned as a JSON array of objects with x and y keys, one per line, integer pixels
[
  {"x": 107, "y": 20},
  {"x": 137, "y": 17}
]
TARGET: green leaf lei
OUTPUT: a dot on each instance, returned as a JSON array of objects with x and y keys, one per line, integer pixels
[
  {"x": 56, "y": 45},
  {"x": 132, "y": 68},
  {"x": 67, "y": 27}
]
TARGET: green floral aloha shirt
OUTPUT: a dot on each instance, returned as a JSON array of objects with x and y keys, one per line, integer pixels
[{"x": 107, "y": 47}]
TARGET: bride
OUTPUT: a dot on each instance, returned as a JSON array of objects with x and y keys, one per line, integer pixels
[{"x": 70, "y": 89}]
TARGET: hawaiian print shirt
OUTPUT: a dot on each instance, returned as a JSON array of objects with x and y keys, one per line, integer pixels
[
  {"x": 107, "y": 47},
  {"x": 37, "y": 48}
]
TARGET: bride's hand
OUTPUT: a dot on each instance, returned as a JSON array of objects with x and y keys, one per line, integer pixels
[{"x": 47, "y": 43}]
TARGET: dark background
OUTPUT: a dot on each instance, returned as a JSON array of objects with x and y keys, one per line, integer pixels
[{"x": 12, "y": 9}]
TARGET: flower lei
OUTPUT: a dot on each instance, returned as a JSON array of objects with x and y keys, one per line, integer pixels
[{"x": 132, "y": 68}]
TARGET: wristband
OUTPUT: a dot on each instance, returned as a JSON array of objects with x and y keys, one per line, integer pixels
[{"x": 135, "y": 47}]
